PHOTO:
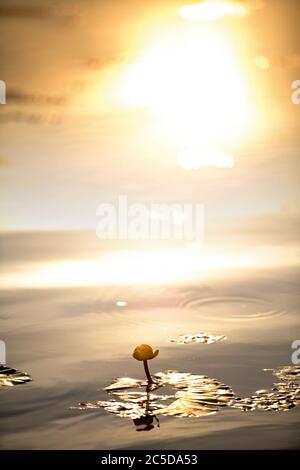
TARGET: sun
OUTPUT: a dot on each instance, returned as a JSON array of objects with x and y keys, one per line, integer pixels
[{"x": 195, "y": 87}]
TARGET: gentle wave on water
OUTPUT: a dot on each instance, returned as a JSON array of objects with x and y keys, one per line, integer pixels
[
  {"x": 75, "y": 341},
  {"x": 233, "y": 307}
]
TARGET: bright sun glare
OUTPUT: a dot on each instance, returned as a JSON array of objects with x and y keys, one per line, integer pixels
[
  {"x": 195, "y": 87},
  {"x": 195, "y": 159},
  {"x": 123, "y": 268},
  {"x": 192, "y": 83},
  {"x": 212, "y": 10}
]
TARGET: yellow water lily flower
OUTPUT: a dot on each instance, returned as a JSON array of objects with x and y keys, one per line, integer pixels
[{"x": 144, "y": 352}]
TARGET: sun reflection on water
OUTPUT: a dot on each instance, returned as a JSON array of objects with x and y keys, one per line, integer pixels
[{"x": 141, "y": 267}]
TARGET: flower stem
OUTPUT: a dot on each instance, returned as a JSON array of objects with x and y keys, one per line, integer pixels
[{"x": 150, "y": 381}]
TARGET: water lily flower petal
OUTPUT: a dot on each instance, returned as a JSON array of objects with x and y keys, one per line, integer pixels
[
  {"x": 144, "y": 352},
  {"x": 155, "y": 353}
]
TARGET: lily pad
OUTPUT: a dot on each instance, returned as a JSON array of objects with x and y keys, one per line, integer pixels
[
  {"x": 193, "y": 396},
  {"x": 10, "y": 377},
  {"x": 204, "y": 338},
  {"x": 284, "y": 396}
]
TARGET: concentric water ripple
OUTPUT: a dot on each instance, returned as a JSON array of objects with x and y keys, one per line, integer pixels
[{"x": 233, "y": 307}]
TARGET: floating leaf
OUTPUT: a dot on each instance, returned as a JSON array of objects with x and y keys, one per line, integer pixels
[
  {"x": 10, "y": 377},
  {"x": 284, "y": 396},
  {"x": 204, "y": 338},
  {"x": 194, "y": 396}
]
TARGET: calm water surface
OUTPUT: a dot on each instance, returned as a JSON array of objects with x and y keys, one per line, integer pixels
[{"x": 75, "y": 341}]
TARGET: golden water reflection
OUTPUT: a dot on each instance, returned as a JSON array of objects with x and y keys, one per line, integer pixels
[
  {"x": 10, "y": 377},
  {"x": 192, "y": 396},
  {"x": 282, "y": 397},
  {"x": 186, "y": 395},
  {"x": 205, "y": 338}
]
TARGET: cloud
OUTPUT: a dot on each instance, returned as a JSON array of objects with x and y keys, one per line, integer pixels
[
  {"x": 21, "y": 97},
  {"x": 30, "y": 12},
  {"x": 96, "y": 63},
  {"x": 270, "y": 228},
  {"x": 294, "y": 61},
  {"x": 33, "y": 12},
  {"x": 29, "y": 118},
  {"x": 211, "y": 10},
  {"x": 291, "y": 62}
]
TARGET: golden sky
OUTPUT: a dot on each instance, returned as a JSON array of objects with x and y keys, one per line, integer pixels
[{"x": 163, "y": 101}]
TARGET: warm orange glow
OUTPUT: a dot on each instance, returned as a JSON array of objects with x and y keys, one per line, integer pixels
[
  {"x": 262, "y": 62},
  {"x": 196, "y": 88},
  {"x": 195, "y": 159},
  {"x": 139, "y": 268},
  {"x": 212, "y": 10}
]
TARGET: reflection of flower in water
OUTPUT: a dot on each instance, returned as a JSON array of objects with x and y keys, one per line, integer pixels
[
  {"x": 146, "y": 423},
  {"x": 283, "y": 396},
  {"x": 193, "y": 396},
  {"x": 10, "y": 377}
]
